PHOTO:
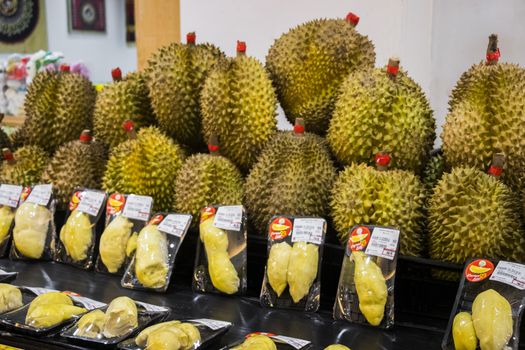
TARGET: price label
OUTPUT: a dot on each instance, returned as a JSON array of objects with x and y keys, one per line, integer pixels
[
  {"x": 91, "y": 202},
  {"x": 212, "y": 324},
  {"x": 308, "y": 230},
  {"x": 383, "y": 243},
  {"x": 228, "y": 217},
  {"x": 89, "y": 304},
  {"x": 293, "y": 342},
  {"x": 40, "y": 194},
  {"x": 151, "y": 307},
  {"x": 138, "y": 207},
  {"x": 39, "y": 291},
  {"x": 175, "y": 224},
  {"x": 510, "y": 273},
  {"x": 10, "y": 195}
]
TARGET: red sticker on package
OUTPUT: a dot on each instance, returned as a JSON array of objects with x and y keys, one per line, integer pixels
[
  {"x": 207, "y": 213},
  {"x": 280, "y": 228},
  {"x": 478, "y": 270},
  {"x": 115, "y": 203},
  {"x": 359, "y": 238}
]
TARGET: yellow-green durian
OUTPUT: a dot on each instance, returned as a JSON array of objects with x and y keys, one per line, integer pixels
[{"x": 23, "y": 167}]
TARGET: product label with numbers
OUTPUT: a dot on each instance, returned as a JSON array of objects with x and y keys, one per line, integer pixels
[
  {"x": 293, "y": 342},
  {"x": 383, "y": 243},
  {"x": 91, "y": 202},
  {"x": 10, "y": 195},
  {"x": 89, "y": 304},
  {"x": 175, "y": 224},
  {"x": 212, "y": 324},
  {"x": 228, "y": 217},
  {"x": 151, "y": 307},
  {"x": 138, "y": 207},
  {"x": 39, "y": 291},
  {"x": 40, "y": 194},
  {"x": 510, "y": 273},
  {"x": 308, "y": 230}
]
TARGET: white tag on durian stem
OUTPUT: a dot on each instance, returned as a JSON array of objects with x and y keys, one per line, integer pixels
[{"x": 10, "y": 195}]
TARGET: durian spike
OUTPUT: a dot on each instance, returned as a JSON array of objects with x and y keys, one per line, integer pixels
[
  {"x": 8, "y": 156},
  {"x": 64, "y": 68},
  {"x": 298, "y": 128},
  {"x": 213, "y": 144},
  {"x": 116, "y": 74},
  {"x": 493, "y": 53},
  {"x": 241, "y": 48},
  {"x": 129, "y": 128},
  {"x": 498, "y": 163},
  {"x": 85, "y": 136},
  {"x": 191, "y": 38},
  {"x": 352, "y": 18},
  {"x": 382, "y": 160},
  {"x": 392, "y": 68}
]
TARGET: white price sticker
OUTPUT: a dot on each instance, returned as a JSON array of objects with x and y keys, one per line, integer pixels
[
  {"x": 40, "y": 194},
  {"x": 308, "y": 230},
  {"x": 39, "y": 291},
  {"x": 137, "y": 207},
  {"x": 510, "y": 273},
  {"x": 294, "y": 342},
  {"x": 91, "y": 202},
  {"x": 212, "y": 324},
  {"x": 383, "y": 243},
  {"x": 151, "y": 307},
  {"x": 10, "y": 195},
  {"x": 229, "y": 217},
  {"x": 175, "y": 224},
  {"x": 89, "y": 304}
]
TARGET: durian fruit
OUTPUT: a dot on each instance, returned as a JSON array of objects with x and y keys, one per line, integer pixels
[
  {"x": 91, "y": 324},
  {"x": 463, "y": 332},
  {"x": 77, "y": 235},
  {"x": 239, "y": 106},
  {"x": 257, "y": 342},
  {"x": 486, "y": 115},
  {"x": 433, "y": 170},
  {"x": 121, "y": 317},
  {"x": 48, "y": 315},
  {"x": 131, "y": 246},
  {"x": 113, "y": 243},
  {"x": 362, "y": 195},
  {"x": 79, "y": 163},
  {"x": 49, "y": 298},
  {"x": 302, "y": 269},
  {"x": 337, "y": 347},
  {"x": 382, "y": 109},
  {"x": 308, "y": 64},
  {"x": 58, "y": 106},
  {"x": 164, "y": 339},
  {"x": 371, "y": 288},
  {"x": 10, "y": 298},
  {"x": 277, "y": 266},
  {"x": 492, "y": 318},
  {"x": 151, "y": 258},
  {"x": 147, "y": 164},
  {"x": 169, "y": 336},
  {"x": 6, "y": 219},
  {"x": 5, "y": 142},
  {"x": 222, "y": 272},
  {"x": 24, "y": 167},
  {"x": 175, "y": 76},
  {"x": 293, "y": 175},
  {"x": 125, "y": 98},
  {"x": 31, "y": 228},
  {"x": 207, "y": 179}
]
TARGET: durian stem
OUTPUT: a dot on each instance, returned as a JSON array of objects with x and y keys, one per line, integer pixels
[
  {"x": 498, "y": 163},
  {"x": 241, "y": 48},
  {"x": 493, "y": 53},
  {"x": 392, "y": 67},
  {"x": 85, "y": 136},
  {"x": 298, "y": 128},
  {"x": 382, "y": 160},
  {"x": 213, "y": 144},
  {"x": 352, "y": 18},
  {"x": 8, "y": 156},
  {"x": 191, "y": 38}
]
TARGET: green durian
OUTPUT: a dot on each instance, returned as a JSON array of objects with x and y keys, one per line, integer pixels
[
  {"x": 175, "y": 77},
  {"x": 433, "y": 170},
  {"x": 308, "y": 64},
  {"x": 124, "y": 99},
  {"x": 58, "y": 106},
  {"x": 239, "y": 106},
  {"x": 24, "y": 167},
  {"x": 79, "y": 163},
  {"x": 377, "y": 111},
  {"x": 293, "y": 175},
  {"x": 147, "y": 165}
]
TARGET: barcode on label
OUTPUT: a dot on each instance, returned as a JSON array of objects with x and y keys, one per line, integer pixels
[
  {"x": 40, "y": 194},
  {"x": 175, "y": 224},
  {"x": 138, "y": 207},
  {"x": 308, "y": 230},
  {"x": 89, "y": 304},
  {"x": 152, "y": 308},
  {"x": 294, "y": 342},
  {"x": 91, "y": 202},
  {"x": 10, "y": 195},
  {"x": 383, "y": 243},
  {"x": 212, "y": 324},
  {"x": 228, "y": 217},
  {"x": 510, "y": 273}
]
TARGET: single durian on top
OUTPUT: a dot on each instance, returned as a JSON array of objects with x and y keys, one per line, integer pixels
[
  {"x": 79, "y": 163},
  {"x": 308, "y": 64},
  {"x": 486, "y": 116},
  {"x": 175, "y": 77},
  {"x": 363, "y": 195},
  {"x": 23, "y": 167},
  {"x": 58, "y": 106},
  {"x": 474, "y": 214},
  {"x": 382, "y": 109},
  {"x": 239, "y": 106},
  {"x": 293, "y": 175},
  {"x": 147, "y": 164},
  {"x": 125, "y": 98},
  {"x": 207, "y": 179}
]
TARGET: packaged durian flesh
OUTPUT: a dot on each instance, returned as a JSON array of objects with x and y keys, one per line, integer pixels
[
  {"x": 293, "y": 270},
  {"x": 269, "y": 341},
  {"x": 126, "y": 216},
  {"x": 220, "y": 265},
  {"x": 488, "y": 307},
  {"x": 9, "y": 200},
  {"x": 365, "y": 294},
  {"x": 156, "y": 248},
  {"x": 76, "y": 241},
  {"x": 34, "y": 226}
]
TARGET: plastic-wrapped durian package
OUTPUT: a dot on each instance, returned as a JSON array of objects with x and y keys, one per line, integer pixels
[
  {"x": 9, "y": 200},
  {"x": 157, "y": 245},
  {"x": 365, "y": 294},
  {"x": 488, "y": 308},
  {"x": 126, "y": 216},
  {"x": 34, "y": 225},
  {"x": 293, "y": 270},
  {"x": 220, "y": 266},
  {"x": 269, "y": 341},
  {"x": 77, "y": 239}
]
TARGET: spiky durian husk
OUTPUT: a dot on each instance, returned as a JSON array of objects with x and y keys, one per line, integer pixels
[
  {"x": 376, "y": 113},
  {"x": 207, "y": 179},
  {"x": 473, "y": 214},
  {"x": 58, "y": 106},
  {"x": 363, "y": 195},
  {"x": 30, "y": 164},
  {"x": 433, "y": 171},
  {"x": 487, "y": 116},
  {"x": 5, "y": 141},
  {"x": 75, "y": 164},
  {"x": 308, "y": 64},
  {"x": 147, "y": 165},
  {"x": 292, "y": 176},
  {"x": 175, "y": 77},
  {"x": 118, "y": 102},
  {"x": 239, "y": 106}
]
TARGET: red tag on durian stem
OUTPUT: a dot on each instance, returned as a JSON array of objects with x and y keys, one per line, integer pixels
[
  {"x": 493, "y": 56},
  {"x": 392, "y": 69},
  {"x": 495, "y": 171}
]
